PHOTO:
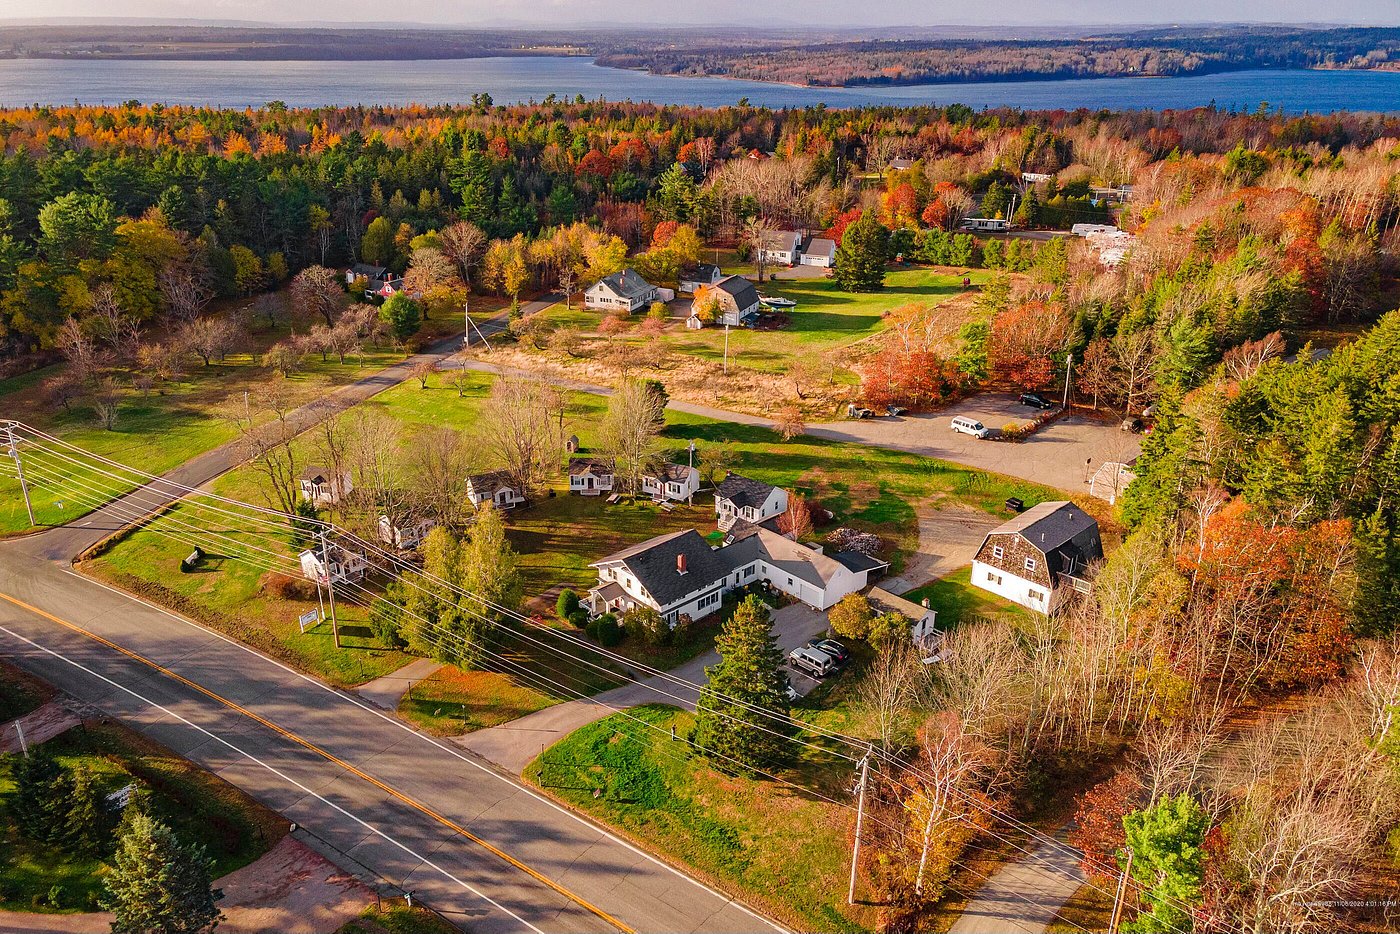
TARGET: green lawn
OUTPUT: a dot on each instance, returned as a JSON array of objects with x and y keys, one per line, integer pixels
[
  {"x": 398, "y": 918},
  {"x": 160, "y": 429},
  {"x": 234, "y": 829},
  {"x": 957, "y": 601},
  {"x": 783, "y": 850}
]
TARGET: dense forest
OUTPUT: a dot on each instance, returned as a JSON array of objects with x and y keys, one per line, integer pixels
[{"x": 1137, "y": 54}]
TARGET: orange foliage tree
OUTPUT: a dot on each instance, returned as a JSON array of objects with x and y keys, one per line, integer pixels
[{"x": 1024, "y": 341}]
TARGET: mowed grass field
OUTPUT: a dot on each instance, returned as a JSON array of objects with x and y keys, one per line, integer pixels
[{"x": 157, "y": 430}]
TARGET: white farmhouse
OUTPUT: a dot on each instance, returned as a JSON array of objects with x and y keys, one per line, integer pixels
[
  {"x": 1040, "y": 557},
  {"x": 321, "y": 487},
  {"x": 625, "y": 290},
  {"x": 496, "y": 487},
  {"x": 739, "y": 498},
  {"x": 676, "y": 482}
]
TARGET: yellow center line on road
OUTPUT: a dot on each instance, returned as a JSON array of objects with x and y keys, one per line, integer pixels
[{"x": 330, "y": 757}]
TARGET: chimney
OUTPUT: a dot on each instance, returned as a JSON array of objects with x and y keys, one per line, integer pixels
[
  {"x": 680, "y": 564},
  {"x": 924, "y": 601}
]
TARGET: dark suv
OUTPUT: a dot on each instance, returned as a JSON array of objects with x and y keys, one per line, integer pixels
[{"x": 1036, "y": 400}]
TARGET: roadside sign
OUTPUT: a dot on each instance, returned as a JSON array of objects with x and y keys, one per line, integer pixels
[{"x": 308, "y": 619}]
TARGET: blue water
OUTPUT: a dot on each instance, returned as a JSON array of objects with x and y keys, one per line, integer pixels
[{"x": 509, "y": 80}]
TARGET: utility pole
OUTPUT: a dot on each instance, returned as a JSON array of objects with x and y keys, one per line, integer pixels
[
  {"x": 860, "y": 819},
  {"x": 1069, "y": 368},
  {"x": 1118, "y": 896},
  {"x": 330, "y": 584},
  {"x": 19, "y": 470}
]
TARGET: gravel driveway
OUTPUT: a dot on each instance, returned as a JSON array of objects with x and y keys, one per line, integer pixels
[{"x": 1063, "y": 455}]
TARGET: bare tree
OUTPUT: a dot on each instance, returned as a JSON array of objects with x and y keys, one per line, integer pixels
[
  {"x": 106, "y": 398},
  {"x": 518, "y": 429},
  {"x": 1136, "y": 356},
  {"x": 429, "y": 268},
  {"x": 115, "y": 327},
  {"x": 716, "y": 460},
  {"x": 796, "y": 521},
  {"x": 463, "y": 243},
  {"x": 955, "y": 764},
  {"x": 896, "y": 683},
  {"x": 186, "y": 286},
  {"x": 438, "y": 463},
  {"x": 210, "y": 337},
  {"x": 423, "y": 370},
  {"x": 373, "y": 455},
  {"x": 79, "y": 349},
  {"x": 631, "y": 430},
  {"x": 269, "y": 448},
  {"x": 756, "y": 234},
  {"x": 789, "y": 422},
  {"x": 316, "y": 291}
]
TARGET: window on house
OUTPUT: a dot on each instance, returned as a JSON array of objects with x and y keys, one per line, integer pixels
[
  {"x": 789, "y": 581},
  {"x": 997, "y": 551},
  {"x": 994, "y": 578},
  {"x": 1030, "y": 564},
  {"x": 1035, "y": 595}
]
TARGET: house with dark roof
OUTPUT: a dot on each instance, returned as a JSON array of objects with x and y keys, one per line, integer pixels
[
  {"x": 782, "y": 246},
  {"x": 739, "y": 497},
  {"x": 405, "y": 533},
  {"x": 682, "y": 574},
  {"x": 625, "y": 290},
  {"x": 820, "y": 252},
  {"x": 333, "y": 564},
  {"x": 692, "y": 280},
  {"x": 676, "y": 482},
  {"x": 1041, "y": 557},
  {"x": 320, "y": 487},
  {"x": 497, "y": 487},
  {"x": 736, "y": 301},
  {"x": 591, "y": 476},
  {"x": 922, "y": 620}
]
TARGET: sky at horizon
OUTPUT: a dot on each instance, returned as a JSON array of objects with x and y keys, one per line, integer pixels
[{"x": 825, "y": 13}]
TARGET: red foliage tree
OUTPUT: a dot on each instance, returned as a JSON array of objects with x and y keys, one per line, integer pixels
[
  {"x": 595, "y": 163},
  {"x": 838, "y": 227},
  {"x": 935, "y": 214},
  {"x": 1098, "y": 823},
  {"x": 900, "y": 206},
  {"x": 663, "y": 233},
  {"x": 1024, "y": 340}
]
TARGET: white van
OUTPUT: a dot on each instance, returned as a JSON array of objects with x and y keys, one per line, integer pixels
[{"x": 969, "y": 426}]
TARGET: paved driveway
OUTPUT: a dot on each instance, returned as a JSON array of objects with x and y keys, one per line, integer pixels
[{"x": 1064, "y": 454}]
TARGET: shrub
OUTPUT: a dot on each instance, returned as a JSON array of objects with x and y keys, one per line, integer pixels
[
  {"x": 579, "y": 617},
  {"x": 567, "y": 603},
  {"x": 285, "y": 587},
  {"x": 609, "y": 633},
  {"x": 647, "y": 625},
  {"x": 386, "y": 622}
]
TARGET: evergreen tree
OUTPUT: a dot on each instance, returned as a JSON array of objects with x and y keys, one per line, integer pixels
[
  {"x": 377, "y": 244},
  {"x": 1165, "y": 840},
  {"x": 159, "y": 885},
  {"x": 85, "y": 824},
  {"x": 749, "y": 675},
  {"x": 860, "y": 259},
  {"x": 40, "y": 798}
]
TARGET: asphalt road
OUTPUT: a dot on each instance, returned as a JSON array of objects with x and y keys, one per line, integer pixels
[{"x": 394, "y": 800}]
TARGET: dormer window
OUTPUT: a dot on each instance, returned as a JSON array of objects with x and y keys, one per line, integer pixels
[
  {"x": 998, "y": 552},
  {"x": 1030, "y": 564}
]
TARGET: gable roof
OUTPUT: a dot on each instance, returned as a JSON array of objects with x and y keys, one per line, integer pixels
[
  {"x": 653, "y": 564},
  {"x": 580, "y": 466},
  {"x": 794, "y": 558},
  {"x": 490, "y": 481},
  {"x": 858, "y": 561},
  {"x": 886, "y": 602},
  {"x": 628, "y": 283},
  {"x": 703, "y": 272},
  {"x": 368, "y": 271},
  {"x": 669, "y": 473},
  {"x": 782, "y": 241},
  {"x": 741, "y": 491},
  {"x": 821, "y": 246},
  {"x": 739, "y": 289},
  {"x": 316, "y": 474}
]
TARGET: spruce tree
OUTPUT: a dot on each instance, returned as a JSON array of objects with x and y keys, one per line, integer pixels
[
  {"x": 85, "y": 824},
  {"x": 749, "y": 675},
  {"x": 159, "y": 885},
  {"x": 860, "y": 259},
  {"x": 42, "y": 789}
]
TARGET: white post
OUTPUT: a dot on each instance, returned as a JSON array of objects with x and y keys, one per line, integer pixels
[
  {"x": 726, "y": 348},
  {"x": 1069, "y": 368},
  {"x": 330, "y": 585},
  {"x": 19, "y": 471},
  {"x": 466, "y": 323},
  {"x": 23, "y": 746},
  {"x": 860, "y": 819}
]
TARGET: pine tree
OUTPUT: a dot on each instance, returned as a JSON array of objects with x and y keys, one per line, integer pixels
[
  {"x": 749, "y": 675},
  {"x": 860, "y": 259},
  {"x": 158, "y": 884},
  {"x": 1168, "y": 858},
  {"x": 42, "y": 789},
  {"x": 85, "y": 824}
]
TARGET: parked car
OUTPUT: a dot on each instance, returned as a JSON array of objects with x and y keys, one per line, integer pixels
[
  {"x": 838, "y": 652},
  {"x": 1036, "y": 400},
  {"x": 856, "y": 411},
  {"x": 810, "y": 661},
  {"x": 1132, "y": 423},
  {"x": 894, "y": 411},
  {"x": 969, "y": 426},
  {"x": 791, "y": 693}
]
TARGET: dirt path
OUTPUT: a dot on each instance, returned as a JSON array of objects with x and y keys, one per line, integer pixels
[
  {"x": 1024, "y": 896},
  {"x": 39, "y": 726},
  {"x": 948, "y": 538},
  {"x": 291, "y": 890}
]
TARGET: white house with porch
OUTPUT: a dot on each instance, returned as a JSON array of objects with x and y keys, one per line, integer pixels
[
  {"x": 591, "y": 476},
  {"x": 405, "y": 534},
  {"x": 496, "y": 487},
  {"x": 675, "y": 482},
  {"x": 339, "y": 565},
  {"x": 682, "y": 574},
  {"x": 321, "y": 487},
  {"x": 739, "y": 498}
]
